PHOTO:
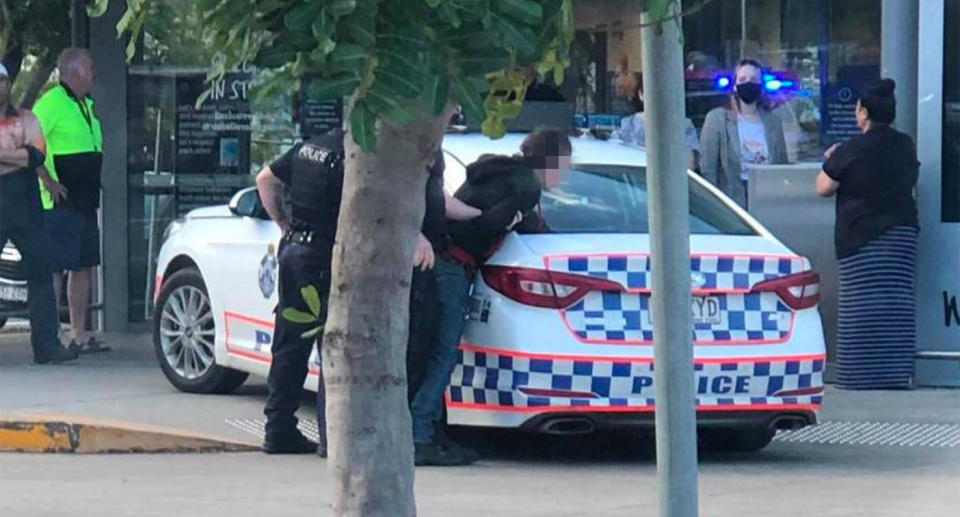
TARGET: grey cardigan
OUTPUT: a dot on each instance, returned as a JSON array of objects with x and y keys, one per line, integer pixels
[{"x": 720, "y": 148}]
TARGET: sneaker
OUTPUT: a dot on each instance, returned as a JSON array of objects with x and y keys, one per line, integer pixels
[
  {"x": 431, "y": 454},
  {"x": 440, "y": 438},
  {"x": 59, "y": 356},
  {"x": 291, "y": 443},
  {"x": 93, "y": 345}
]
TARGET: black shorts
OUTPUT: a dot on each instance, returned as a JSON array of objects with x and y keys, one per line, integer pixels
[{"x": 76, "y": 234}]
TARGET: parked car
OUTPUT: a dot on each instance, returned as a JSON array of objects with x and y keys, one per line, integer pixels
[
  {"x": 13, "y": 284},
  {"x": 559, "y": 338}
]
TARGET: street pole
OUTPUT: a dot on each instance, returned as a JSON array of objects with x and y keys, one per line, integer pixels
[
  {"x": 670, "y": 265},
  {"x": 899, "y": 28}
]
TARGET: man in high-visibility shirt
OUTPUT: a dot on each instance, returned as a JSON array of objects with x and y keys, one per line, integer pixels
[{"x": 74, "y": 157}]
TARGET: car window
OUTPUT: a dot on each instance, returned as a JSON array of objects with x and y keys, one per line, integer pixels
[{"x": 613, "y": 199}]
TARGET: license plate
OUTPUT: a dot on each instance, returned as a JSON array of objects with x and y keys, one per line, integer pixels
[
  {"x": 705, "y": 310},
  {"x": 13, "y": 294}
]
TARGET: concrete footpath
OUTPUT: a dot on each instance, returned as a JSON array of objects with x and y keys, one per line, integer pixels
[{"x": 877, "y": 454}]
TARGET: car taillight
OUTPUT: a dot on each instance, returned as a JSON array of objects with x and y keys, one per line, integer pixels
[
  {"x": 542, "y": 288},
  {"x": 799, "y": 291}
]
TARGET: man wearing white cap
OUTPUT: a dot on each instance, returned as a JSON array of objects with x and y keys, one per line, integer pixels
[{"x": 22, "y": 150}]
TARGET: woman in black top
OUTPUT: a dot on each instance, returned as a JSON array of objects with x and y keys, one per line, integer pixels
[{"x": 873, "y": 175}]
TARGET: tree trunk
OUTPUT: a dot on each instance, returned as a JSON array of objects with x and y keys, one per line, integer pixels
[
  {"x": 364, "y": 346},
  {"x": 44, "y": 67}
]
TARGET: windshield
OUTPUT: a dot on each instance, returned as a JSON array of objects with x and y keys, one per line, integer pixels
[{"x": 613, "y": 199}]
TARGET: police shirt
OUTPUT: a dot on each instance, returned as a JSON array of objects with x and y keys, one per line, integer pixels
[
  {"x": 313, "y": 171},
  {"x": 876, "y": 172},
  {"x": 74, "y": 146}
]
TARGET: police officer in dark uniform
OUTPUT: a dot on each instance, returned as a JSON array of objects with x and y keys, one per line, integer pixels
[{"x": 312, "y": 171}]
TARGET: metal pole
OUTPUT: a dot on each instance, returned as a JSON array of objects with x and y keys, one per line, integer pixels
[
  {"x": 899, "y": 33},
  {"x": 743, "y": 29},
  {"x": 670, "y": 246},
  {"x": 151, "y": 260}
]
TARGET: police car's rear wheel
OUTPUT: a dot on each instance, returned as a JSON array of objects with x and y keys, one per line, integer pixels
[
  {"x": 184, "y": 336},
  {"x": 735, "y": 439}
]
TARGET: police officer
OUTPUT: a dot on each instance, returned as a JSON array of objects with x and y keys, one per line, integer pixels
[
  {"x": 21, "y": 153},
  {"x": 313, "y": 173}
]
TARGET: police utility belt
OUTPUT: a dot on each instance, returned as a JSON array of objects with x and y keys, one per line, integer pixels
[{"x": 302, "y": 234}]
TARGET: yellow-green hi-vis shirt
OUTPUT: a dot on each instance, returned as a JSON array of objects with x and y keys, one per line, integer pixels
[{"x": 74, "y": 146}]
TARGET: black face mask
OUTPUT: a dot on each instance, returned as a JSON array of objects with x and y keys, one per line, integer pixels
[{"x": 748, "y": 92}]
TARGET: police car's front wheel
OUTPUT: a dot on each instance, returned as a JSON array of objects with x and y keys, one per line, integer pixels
[{"x": 184, "y": 332}]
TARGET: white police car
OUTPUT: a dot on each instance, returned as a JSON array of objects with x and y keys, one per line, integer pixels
[{"x": 559, "y": 338}]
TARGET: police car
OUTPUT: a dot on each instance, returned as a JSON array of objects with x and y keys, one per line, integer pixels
[{"x": 559, "y": 338}]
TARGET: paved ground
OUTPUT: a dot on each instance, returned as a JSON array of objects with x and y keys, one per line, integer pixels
[{"x": 610, "y": 475}]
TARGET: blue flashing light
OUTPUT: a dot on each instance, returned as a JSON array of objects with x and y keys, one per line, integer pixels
[
  {"x": 723, "y": 82},
  {"x": 773, "y": 85}
]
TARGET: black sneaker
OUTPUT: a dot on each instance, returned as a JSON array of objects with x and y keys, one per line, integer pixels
[
  {"x": 291, "y": 443},
  {"x": 92, "y": 346},
  {"x": 440, "y": 438},
  {"x": 431, "y": 454},
  {"x": 59, "y": 356}
]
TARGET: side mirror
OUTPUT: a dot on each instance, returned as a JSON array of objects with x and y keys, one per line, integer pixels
[{"x": 246, "y": 203}]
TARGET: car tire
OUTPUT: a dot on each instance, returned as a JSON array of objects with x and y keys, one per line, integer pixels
[
  {"x": 735, "y": 439},
  {"x": 3, "y": 322},
  {"x": 184, "y": 332}
]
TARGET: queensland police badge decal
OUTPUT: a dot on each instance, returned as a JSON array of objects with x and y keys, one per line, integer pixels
[{"x": 267, "y": 275}]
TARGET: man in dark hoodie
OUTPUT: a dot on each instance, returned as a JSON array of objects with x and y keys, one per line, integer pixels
[{"x": 503, "y": 188}]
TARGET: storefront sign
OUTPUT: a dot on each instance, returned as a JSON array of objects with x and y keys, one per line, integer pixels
[
  {"x": 319, "y": 117},
  {"x": 212, "y": 140},
  {"x": 839, "y": 103}
]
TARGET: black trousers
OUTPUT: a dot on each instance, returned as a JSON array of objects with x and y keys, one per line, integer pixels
[
  {"x": 300, "y": 265},
  {"x": 36, "y": 252}
]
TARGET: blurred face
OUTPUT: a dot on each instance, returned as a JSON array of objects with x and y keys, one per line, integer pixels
[
  {"x": 748, "y": 74},
  {"x": 557, "y": 168},
  {"x": 82, "y": 74},
  {"x": 862, "y": 116}
]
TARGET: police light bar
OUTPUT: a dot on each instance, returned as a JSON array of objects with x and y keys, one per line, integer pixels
[{"x": 771, "y": 83}]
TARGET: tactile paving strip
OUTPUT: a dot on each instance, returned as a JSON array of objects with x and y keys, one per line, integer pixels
[{"x": 890, "y": 434}]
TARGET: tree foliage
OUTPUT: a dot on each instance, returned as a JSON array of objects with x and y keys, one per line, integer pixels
[{"x": 396, "y": 59}]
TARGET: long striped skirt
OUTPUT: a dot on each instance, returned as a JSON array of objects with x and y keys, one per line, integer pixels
[{"x": 876, "y": 325}]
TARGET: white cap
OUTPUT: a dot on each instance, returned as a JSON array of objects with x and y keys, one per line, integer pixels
[{"x": 3, "y": 71}]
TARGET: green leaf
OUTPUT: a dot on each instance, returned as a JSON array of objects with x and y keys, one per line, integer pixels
[
  {"x": 404, "y": 82},
  {"x": 297, "y": 316},
  {"x": 312, "y": 333},
  {"x": 97, "y": 8},
  {"x": 525, "y": 11},
  {"x": 302, "y": 16},
  {"x": 410, "y": 40},
  {"x": 437, "y": 90},
  {"x": 399, "y": 59},
  {"x": 348, "y": 57},
  {"x": 466, "y": 92},
  {"x": 297, "y": 40},
  {"x": 493, "y": 127},
  {"x": 522, "y": 39},
  {"x": 333, "y": 88},
  {"x": 342, "y": 7},
  {"x": 479, "y": 64},
  {"x": 363, "y": 127},
  {"x": 312, "y": 297},
  {"x": 472, "y": 37},
  {"x": 360, "y": 29},
  {"x": 275, "y": 56},
  {"x": 322, "y": 27},
  {"x": 387, "y": 105}
]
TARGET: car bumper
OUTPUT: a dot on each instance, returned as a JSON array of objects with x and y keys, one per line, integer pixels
[
  {"x": 505, "y": 388},
  {"x": 11, "y": 305}
]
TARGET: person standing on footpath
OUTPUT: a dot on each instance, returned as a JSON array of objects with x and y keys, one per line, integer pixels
[
  {"x": 873, "y": 175},
  {"x": 21, "y": 153},
  {"x": 313, "y": 172},
  {"x": 744, "y": 132},
  {"x": 74, "y": 159}
]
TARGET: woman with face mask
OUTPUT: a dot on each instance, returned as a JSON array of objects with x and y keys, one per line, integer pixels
[
  {"x": 873, "y": 175},
  {"x": 744, "y": 132}
]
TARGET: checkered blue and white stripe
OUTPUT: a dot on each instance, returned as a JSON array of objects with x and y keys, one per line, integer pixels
[
  {"x": 625, "y": 316},
  {"x": 494, "y": 379}
]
